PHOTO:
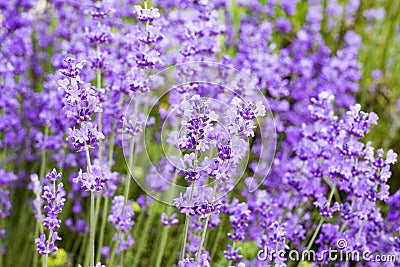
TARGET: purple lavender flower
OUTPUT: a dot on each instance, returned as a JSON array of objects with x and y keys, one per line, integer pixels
[
  {"x": 242, "y": 121},
  {"x": 325, "y": 210},
  {"x": 120, "y": 216},
  {"x": 239, "y": 220},
  {"x": 288, "y": 6},
  {"x": 150, "y": 34},
  {"x": 55, "y": 197},
  {"x": 172, "y": 220},
  {"x": 80, "y": 102},
  {"x": 358, "y": 123},
  {"x": 232, "y": 254},
  {"x": 199, "y": 205},
  {"x": 5, "y": 204},
  {"x": 99, "y": 34},
  {"x": 122, "y": 219},
  {"x": 55, "y": 200},
  {"x": 124, "y": 242},
  {"x": 53, "y": 176},
  {"x": 147, "y": 14},
  {"x": 137, "y": 82},
  {"x": 283, "y": 25},
  {"x": 88, "y": 136},
  {"x": 190, "y": 262},
  {"x": 374, "y": 14},
  {"x": 80, "y": 225},
  {"x": 101, "y": 9},
  {"x": 45, "y": 247},
  {"x": 93, "y": 181},
  {"x": 72, "y": 71}
]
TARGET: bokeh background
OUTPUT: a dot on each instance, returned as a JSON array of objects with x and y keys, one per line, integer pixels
[{"x": 377, "y": 22}]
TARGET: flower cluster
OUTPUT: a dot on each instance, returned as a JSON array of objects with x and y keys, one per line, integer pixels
[
  {"x": 147, "y": 55},
  {"x": 172, "y": 220},
  {"x": 242, "y": 121},
  {"x": 55, "y": 198},
  {"x": 198, "y": 206},
  {"x": 121, "y": 217},
  {"x": 203, "y": 262},
  {"x": 93, "y": 180},
  {"x": 80, "y": 102}
]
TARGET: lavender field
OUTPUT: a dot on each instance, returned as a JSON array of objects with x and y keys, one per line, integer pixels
[{"x": 198, "y": 133}]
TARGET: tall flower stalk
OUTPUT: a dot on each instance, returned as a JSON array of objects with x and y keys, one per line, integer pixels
[
  {"x": 202, "y": 134},
  {"x": 80, "y": 102},
  {"x": 55, "y": 197}
]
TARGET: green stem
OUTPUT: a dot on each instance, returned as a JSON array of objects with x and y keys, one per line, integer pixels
[
  {"x": 111, "y": 147},
  {"x": 131, "y": 155},
  {"x": 128, "y": 175},
  {"x": 357, "y": 237},
  {"x": 82, "y": 250},
  {"x": 360, "y": 230},
  {"x": 219, "y": 232},
  {"x": 332, "y": 191},
  {"x": 97, "y": 208},
  {"x": 1, "y": 258},
  {"x": 92, "y": 223},
  {"x": 114, "y": 249},
  {"x": 39, "y": 226},
  {"x": 36, "y": 255},
  {"x": 203, "y": 236},
  {"x": 106, "y": 200},
  {"x": 299, "y": 172},
  {"x": 46, "y": 256},
  {"x": 100, "y": 147},
  {"x": 102, "y": 228},
  {"x": 165, "y": 232},
  {"x": 233, "y": 248},
  {"x": 314, "y": 236},
  {"x": 92, "y": 228},
  {"x": 88, "y": 163},
  {"x": 163, "y": 243},
  {"x": 138, "y": 225},
  {"x": 186, "y": 227},
  {"x": 126, "y": 191},
  {"x": 321, "y": 221},
  {"x": 142, "y": 242},
  {"x": 77, "y": 242},
  {"x": 43, "y": 156},
  {"x": 185, "y": 232},
  {"x": 130, "y": 167},
  {"x": 285, "y": 211},
  {"x": 100, "y": 117},
  {"x": 120, "y": 258}
]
